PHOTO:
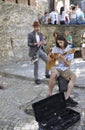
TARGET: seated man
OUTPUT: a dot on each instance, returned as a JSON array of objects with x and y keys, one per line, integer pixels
[{"x": 62, "y": 68}]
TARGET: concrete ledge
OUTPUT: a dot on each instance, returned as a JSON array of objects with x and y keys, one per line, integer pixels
[
  {"x": 45, "y": 81},
  {"x": 9, "y": 75}
]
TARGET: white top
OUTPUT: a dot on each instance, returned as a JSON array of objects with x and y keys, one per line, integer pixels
[
  {"x": 37, "y": 38},
  {"x": 54, "y": 17},
  {"x": 73, "y": 16},
  {"x": 83, "y": 45},
  {"x": 62, "y": 17}
]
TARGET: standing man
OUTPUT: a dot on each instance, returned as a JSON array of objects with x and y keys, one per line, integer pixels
[{"x": 36, "y": 43}]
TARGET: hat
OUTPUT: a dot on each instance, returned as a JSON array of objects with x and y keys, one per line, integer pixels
[{"x": 36, "y": 24}]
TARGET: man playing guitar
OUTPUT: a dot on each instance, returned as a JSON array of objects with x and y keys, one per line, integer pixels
[{"x": 62, "y": 68}]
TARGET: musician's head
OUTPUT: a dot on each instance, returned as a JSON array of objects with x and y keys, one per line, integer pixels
[
  {"x": 36, "y": 26},
  {"x": 61, "y": 41}
]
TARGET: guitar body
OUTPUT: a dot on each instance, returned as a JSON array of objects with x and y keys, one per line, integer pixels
[
  {"x": 54, "y": 58},
  {"x": 50, "y": 64},
  {"x": 53, "y": 62}
]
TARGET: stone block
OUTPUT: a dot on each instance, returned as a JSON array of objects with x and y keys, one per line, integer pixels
[
  {"x": 33, "y": 2},
  {"x": 23, "y": 2},
  {"x": 13, "y": 1}
]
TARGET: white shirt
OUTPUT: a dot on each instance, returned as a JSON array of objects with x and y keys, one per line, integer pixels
[
  {"x": 73, "y": 16},
  {"x": 62, "y": 17},
  {"x": 37, "y": 38},
  {"x": 54, "y": 17},
  {"x": 68, "y": 57}
]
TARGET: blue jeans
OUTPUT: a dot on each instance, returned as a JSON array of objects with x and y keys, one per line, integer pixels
[
  {"x": 73, "y": 22},
  {"x": 40, "y": 54},
  {"x": 81, "y": 22}
]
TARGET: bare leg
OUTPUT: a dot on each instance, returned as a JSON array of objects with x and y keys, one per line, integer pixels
[
  {"x": 52, "y": 81},
  {"x": 70, "y": 85}
]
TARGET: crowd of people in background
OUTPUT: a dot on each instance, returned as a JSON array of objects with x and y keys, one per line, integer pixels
[{"x": 74, "y": 15}]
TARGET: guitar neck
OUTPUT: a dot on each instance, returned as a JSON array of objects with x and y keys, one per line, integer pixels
[
  {"x": 64, "y": 53},
  {"x": 70, "y": 51}
]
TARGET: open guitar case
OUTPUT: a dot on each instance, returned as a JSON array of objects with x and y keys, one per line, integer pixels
[{"x": 52, "y": 113}]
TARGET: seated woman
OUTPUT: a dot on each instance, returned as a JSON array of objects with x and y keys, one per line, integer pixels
[
  {"x": 73, "y": 16},
  {"x": 62, "y": 15}
]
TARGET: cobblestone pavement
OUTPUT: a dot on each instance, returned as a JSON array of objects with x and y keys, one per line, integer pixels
[{"x": 20, "y": 92}]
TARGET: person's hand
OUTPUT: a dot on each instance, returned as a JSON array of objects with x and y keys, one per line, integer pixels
[
  {"x": 62, "y": 58},
  {"x": 49, "y": 58},
  {"x": 40, "y": 43}
]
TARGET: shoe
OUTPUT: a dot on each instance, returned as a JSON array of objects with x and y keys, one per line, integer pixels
[
  {"x": 47, "y": 76},
  {"x": 1, "y": 87},
  {"x": 71, "y": 102},
  {"x": 34, "y": 59},
  {"x": 38, "y": 81}
]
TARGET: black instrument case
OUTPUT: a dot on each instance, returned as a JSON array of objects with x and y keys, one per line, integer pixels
[{"x": 51, "y": 113}]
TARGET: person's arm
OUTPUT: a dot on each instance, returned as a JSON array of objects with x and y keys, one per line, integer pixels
[
  {"x": 42, "y": 39},
  {"x": 49, "y": 57},
  {"x": 66, "y": 62},
  {"x": 30, "y": 41}
]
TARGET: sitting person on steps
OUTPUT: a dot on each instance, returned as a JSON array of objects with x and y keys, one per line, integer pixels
[{"x": 62, "y": 68}]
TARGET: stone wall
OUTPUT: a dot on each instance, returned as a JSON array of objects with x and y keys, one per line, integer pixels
[
  {"x": 15, "y": 24},
  {"x": 80, "y": 2},
  {"x": 76, "y": 31},
  {"x": 32, "y": 2},
  {"x": 38, "y": 4}
]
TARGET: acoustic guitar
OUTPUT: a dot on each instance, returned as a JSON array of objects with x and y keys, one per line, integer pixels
[{"x": 55, "y": 57}]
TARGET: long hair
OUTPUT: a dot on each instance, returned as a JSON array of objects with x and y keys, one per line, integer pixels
[
  {"x": 61, "y": 10},
  {"x": 62, "y": 38}
]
